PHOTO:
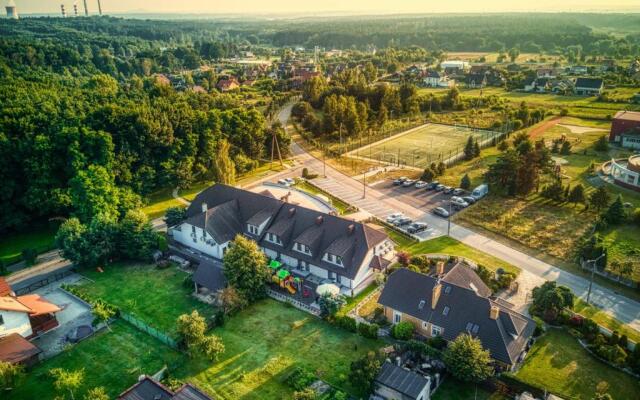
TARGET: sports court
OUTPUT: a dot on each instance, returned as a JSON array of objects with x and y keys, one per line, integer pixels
[{"x": 418, "y": 147}]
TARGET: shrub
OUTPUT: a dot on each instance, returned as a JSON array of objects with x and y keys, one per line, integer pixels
[
  {"x": 437, "y": 342},
  {"x": 403, "y": 330},
  {"x": 368, "y": 331},
  {"x": 301, "y": 378},
  {"x": 539, "y": 326},
  {"x": 348, "y": 323},
  {"x": 403, "y": 258},
  {"x": 29, "y": 256}
]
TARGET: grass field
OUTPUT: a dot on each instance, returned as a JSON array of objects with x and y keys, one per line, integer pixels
[
  {"x": 265, "y": 342},
  {"x": 113, "y": 360},
  {"x": 558, "y": 362},
  {"x": 157, "y": 296},
  {"x": 421, "y": 146},
  {"x": 40, "y": 238}
]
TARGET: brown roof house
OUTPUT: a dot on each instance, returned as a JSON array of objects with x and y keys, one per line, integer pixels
[
  {"x": 625, "y": 129},
  {"x": 227, "y": 84},
  {"x": 454, "y": 303},
  {"x": 29, "y": 316}
]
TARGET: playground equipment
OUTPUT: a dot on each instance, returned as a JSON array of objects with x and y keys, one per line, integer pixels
[{"x": 283, "y": 278}]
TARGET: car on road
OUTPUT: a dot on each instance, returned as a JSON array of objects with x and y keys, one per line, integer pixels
[
  {"x": 284, "y": 182},
  {"x": 469, "y": 199},
  {"x": 408, "y": 182},
  {"x": 432, "y": 185},
  {"x": 394, "y": 216},
  {"x": 399, "y": 181},
  {"x": 458, "y": 202},
  {"x": 447, "y": 190},
  {"x": 402, "y": 221},
  {"x": 290, "y": 181},
  {"x": 441, "y": 212},
  {"x": 458, "y": 192},
  {"x": 440, "y": 188},
  {"x": 417, "y": 227},
  {"x": 421, "y": 184}
]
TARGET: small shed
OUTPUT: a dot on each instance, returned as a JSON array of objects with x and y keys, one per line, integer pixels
[
  {"x": 15, "y": 349},
  {"x": 396, "y": 383}
]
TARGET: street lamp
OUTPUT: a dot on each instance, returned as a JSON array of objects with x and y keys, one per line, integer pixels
[
  {"x": 449, "y": 220},
  {"x": 593, "y": 271}
]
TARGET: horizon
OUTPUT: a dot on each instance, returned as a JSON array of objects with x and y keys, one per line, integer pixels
[{"x": 327, "y": 8}]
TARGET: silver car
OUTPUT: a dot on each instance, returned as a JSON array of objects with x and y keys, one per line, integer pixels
[{"x": 441, "y": 212}]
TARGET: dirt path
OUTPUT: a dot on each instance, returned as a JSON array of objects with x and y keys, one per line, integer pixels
[{"x": 541, "y": 129}]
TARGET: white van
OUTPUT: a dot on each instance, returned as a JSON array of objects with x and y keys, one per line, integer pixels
[{"x": 480, "y": 191}]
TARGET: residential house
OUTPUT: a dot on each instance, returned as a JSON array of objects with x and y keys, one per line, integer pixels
[
  {"x": 550, "y": 73},
  {"x": 148, "y": 388},
  {"x": 625, "y": 129},
  {"x": 476, "y": 81},
  {"x": 589, "y": 86},
  {"x": 436, "y": 79},
  {"x": 455, "y": 65},
  {"x": 227, "y": 84},
  {"x": 15, "y": 349},
  {"x": 29, "y": 315},
  {"x": 307, "y": 242},
  {"x": 456, "y": 303},
  {"x": 578, "y": 69},
  {"x": 537, "y": 85},
  {"x": 396, "y": 383}
]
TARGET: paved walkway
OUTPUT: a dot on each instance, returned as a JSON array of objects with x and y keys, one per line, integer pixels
[{"x": 175, "y": 195}]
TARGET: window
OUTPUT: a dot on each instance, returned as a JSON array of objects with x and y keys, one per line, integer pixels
[
  {"x": 252, "y": 229},
  {"x": 273, "y": 238},
  {"x": 397, "y": 317},
  {"x": 1, "y": 320},
  {"x": 421, "y": 304},
  {"x": 302, "y": 248},
  {"x": 425, "y": 325},
  {"x": 436, "y": 330},
  {"x": 333, "y": 259}
]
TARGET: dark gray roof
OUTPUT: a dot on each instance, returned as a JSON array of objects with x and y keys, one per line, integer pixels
[
  {"x": 399, "y": 379},
  {"x": 590, "y": 83},
  {"x": 189, "y": 392},
  {"x": 467, "y": 312},
  {"x": 210, "y": 275},
  {"x": 146, "y": 389},
  {"x": 463, "y": 276},
  {"x": 291, "y": 222}
]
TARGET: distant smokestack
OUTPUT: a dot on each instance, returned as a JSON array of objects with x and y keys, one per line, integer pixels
[
  {"x": 64, "y": 13},
  {"x": 99, "y": 8},
  {"x": 86, "y": 10}
]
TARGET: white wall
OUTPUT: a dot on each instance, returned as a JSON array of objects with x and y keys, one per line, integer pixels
[
  {"x": 15, "y": 322},
  {"x": 183, "y": 235},
  {"x": 317, "y": 271}
]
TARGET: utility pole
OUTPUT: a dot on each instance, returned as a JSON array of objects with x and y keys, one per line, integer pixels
[
  {"x": 593, "y": 272},
  {"x": 449, "y": 220}
]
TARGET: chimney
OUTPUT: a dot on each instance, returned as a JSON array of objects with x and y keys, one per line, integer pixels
[
  {"x": 319, "y": 220},
  {"x": 440, "y": 268},
  {"x": 435, "y": 295},
  {"x": 494, "y": 312},
  {"x": 204, "y": 207},
  {"x": 351, "y": 228}
]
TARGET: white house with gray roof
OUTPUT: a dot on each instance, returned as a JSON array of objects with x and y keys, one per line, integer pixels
[{"x": 306, "y": 241}]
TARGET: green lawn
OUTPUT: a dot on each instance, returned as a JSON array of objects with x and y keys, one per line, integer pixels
[
  {"x": 40, "y": 238},
  {"x": 558, "y": 363},
  {"x": 606, "y": 320},
  {"x": 113, "y": 360},
  {"x": 265, "y": 342},
  {"x": 452, "y": 389},
  {"x": 158, "y": 203},
  {"x": 156, "y": 296},
  {"x": 447, "y": 245}
]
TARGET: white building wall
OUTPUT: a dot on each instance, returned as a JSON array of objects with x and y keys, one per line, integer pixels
[
  {"x": 15, "y": 322},
  {"x": 183, "y": 236},
  {"x": 290, "y": 261},
  {"x": 272, "y": 254},
  {"x": 317, "y": 271}
]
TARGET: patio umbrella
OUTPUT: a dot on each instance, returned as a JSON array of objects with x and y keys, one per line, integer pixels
[{"x": 328, "y": 288}]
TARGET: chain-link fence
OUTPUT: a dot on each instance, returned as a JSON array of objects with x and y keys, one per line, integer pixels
[{"x": 161, "y": 336}]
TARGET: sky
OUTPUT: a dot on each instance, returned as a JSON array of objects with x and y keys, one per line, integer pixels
[{"x": 329, "y": 6}]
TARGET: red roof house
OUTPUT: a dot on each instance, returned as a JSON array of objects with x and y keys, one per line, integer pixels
[{"x": 624, "y": 122}]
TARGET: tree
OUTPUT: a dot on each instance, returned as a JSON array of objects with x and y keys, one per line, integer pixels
[
  {"x": 64, "y": 380},
  {"x": 231, "y": 300},
  {"x": 602, "y": 144},
  {"x": 364, "y": 370},
  {"x": 136, "y": 238},
  {"x": 514, "y": 52},
  {"x": 245, "y": 267},
  {"x": 330, "y": 304},
  {"x": 191, "y": 328},
  {"x": 174, "y": 216},
  {"x": 403, "y": 330},
  {"x": 212, "y": 347},
  {"x": 441, "y": 168},
  {"x": 549, "y": 300},
  {"x": 615, "y": 214},
  {"x": 476, "y": 148},
  {"x": 10, "y": 375},
  {"x": 305, "y": 394},
  {"x": 94, "y": 193},
  {"x": 554, "y": 191},
  {"x": 98, "y": 393},
  {"x": 467, "y": 360},
  {"x": 635, "y": 216},
  {"x": 469, "y": 151},
  {"x": 428, "y": 175},
  {"x": 225, "y": 169},
  {"x": 565, "y": 149},
  {"x": 599, "y": 199},
  {"x": 102, "y": 313},
  {"x": 465, "y": 182},
  {"x": 577, "y": 194}
]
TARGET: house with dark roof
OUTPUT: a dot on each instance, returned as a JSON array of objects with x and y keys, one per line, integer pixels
[
  {"x": 450, "y": 306},
  {"x": 148, "y": 388},
  {"x": 433, "y": 78},
  {"x": 589, "y": 86},
  {"x": 396, "y": 383},
  {"x": 307, "y": 242}
]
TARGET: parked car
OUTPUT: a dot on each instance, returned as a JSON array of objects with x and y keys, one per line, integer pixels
[
  {"x": 283, "y": 182},
  {"x": 408, "y": 182},
  {"x": 440, "y": 188},
  {"x": 441, "y": 212},
  {"x": 469, "y": 199},
  {"x": 432, "y": 185},
  {"x": 399, "y": 181},
  {"x": 402, "y": 221},
  {"x": 417, "y": 227},
  {"x": 421, "y": 184},
  {"x": 394, "y": 216},
  {"x": 480, "y": 191},
  {"x": 458, "y": 202},
  {"x": 458, "y": 192},
  {"x": 447, "y": 190},
  {"x": 290, "y": 181}
]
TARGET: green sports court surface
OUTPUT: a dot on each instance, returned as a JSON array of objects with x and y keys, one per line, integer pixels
[{"x": 420, "y": 146}]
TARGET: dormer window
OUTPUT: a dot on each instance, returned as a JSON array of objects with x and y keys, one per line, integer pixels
[
  {"x": 302, "y": 248},
  {"x": 252, "y": 229},
  {"x": 333, "y": 259},
  {"x": 273, "y": 238}
]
